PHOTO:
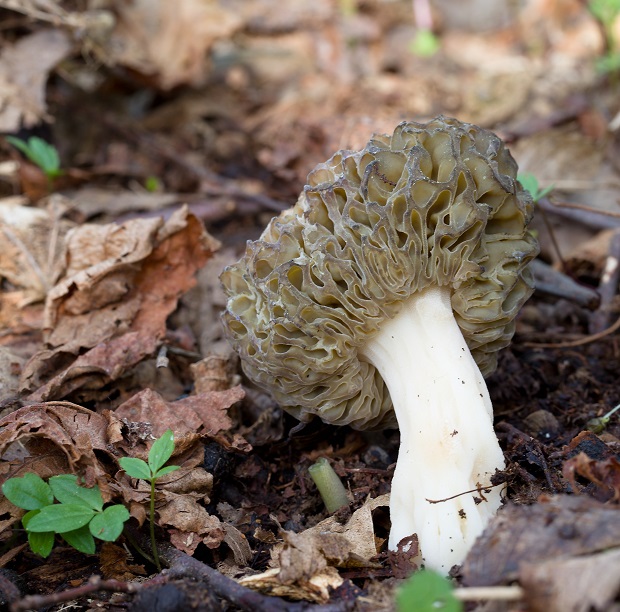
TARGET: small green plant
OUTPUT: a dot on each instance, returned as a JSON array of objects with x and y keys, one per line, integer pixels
[
  {"x": 606, "y": 12},
  {"x": 427, "y": 591},
  {"x": 78, "y": 517},
  {"x": 159, "y": 454},
  {"x": 424, "y": 44},
  {"x": 530, "y": 183},
  {"x": 40, "y": 153},
  {"x": 599, "y": 424},
  {"x": 152, "y": 184},
  {"x": 330, "y": 487}
]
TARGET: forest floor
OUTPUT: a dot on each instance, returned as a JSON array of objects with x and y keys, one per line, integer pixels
[{"x": 172, "y": 118}]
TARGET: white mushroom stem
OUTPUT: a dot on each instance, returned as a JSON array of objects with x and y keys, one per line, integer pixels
[{"x": 445, "y": 417}]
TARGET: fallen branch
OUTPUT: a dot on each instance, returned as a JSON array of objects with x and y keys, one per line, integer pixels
[{"x": 94, "y": 584}]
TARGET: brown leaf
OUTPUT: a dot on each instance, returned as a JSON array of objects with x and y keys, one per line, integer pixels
[
  {"x": 556, "y": 527},
  {"x": 50, "y": 439},
  {"x": 316, "y": 590},
  {"x": 114, "y": 563},
  {"x": 605, "y": 475},
  {"x": 206, "y": 413},
  {"x": 192, "y": 524},
  {"x": 24, "y": 70},
  {"x": 167, "y": 40},
  {"x": 579, "y": 584},
  {"x": 110, "y": 309}
]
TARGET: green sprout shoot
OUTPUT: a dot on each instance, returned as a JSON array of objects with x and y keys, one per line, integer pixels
[
  {"x": 159, "y": 454},
  {"x": 330, "y": 487}
]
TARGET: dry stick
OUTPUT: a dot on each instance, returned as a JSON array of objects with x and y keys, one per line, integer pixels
[
  {"x": 574, "y": 343},
  {"x": 553, "y": 282},
  {"x": 608, "y": 286},
  {"x": 476, "y": 490},
  {"x": 94, "y": 584},
  {"x": 554, "y": 242},
  {"x": 592, "y": 217},
  {"x": 8, "y": 589},
  {"x": 182, "y": 565},
  {"x": 499, "y": 593}
]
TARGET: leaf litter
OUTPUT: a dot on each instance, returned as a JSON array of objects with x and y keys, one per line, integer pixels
[{"x": 109, "y": 312}]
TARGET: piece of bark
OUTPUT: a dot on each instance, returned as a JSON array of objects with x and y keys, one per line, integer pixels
[{"x": 557, "y": 527}]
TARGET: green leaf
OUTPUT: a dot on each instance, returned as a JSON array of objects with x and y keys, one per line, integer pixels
[
  {"x": 424, "y": 44},
  {"x": 29, "y": 492},
  {"x": 19, "y": 144},
  {"x": 427, "y": 591},
  {"x": 166, "y": 470},
  {"x": 67, "y": 491},
  {"x": 161, "y": 450},
  {"x": 81, "y": 539},
  {"x": 40, "y": 153},
  {"x": 41, "y": 543},
  {"x": 136, "y": 468},
  {"x": 60, "y": 518},
  {"x": 530, "y": 183},
  {"x": 109, "y": 524}
]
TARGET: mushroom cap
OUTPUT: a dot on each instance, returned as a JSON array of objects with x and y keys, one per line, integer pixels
[{"x": 431, "y": 204}]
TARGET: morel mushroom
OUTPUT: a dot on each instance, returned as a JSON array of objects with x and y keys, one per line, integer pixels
[{"x": 383, "y": 296}]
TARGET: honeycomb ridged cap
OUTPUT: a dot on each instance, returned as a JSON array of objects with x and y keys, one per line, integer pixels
[{"x": 432, "y": 204}]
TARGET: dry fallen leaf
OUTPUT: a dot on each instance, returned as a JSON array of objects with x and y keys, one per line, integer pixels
[
  {"x": 30, "y": 245},
  {"x": 316, "y": 589},
  {"x": 557, "y": 527},
  {"x": 49, "y": 439},
  {"x": 109, "y": 310},
  {"x": 24, "y": 70},
  {"x": 306, "y": 561},
  {"x": 114, "y": 563},
  {"x": 580, "y": 584},
  {"x": 169, "y": 40},
  {"x": 206, "y": 413},
  {"x": 604, "y": 474}
]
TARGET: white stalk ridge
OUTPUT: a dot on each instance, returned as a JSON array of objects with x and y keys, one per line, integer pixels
[{"x": 445, "y": 417}]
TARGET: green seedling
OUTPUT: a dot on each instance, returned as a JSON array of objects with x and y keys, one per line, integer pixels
[
  {"x": 598, "y": 424},
  {"x": 424, "y": 44},
  {"x": 152, "y": 184},
  {"x": 78, "y": 517},
  {"x": 530, "y": 183},
  {"x": 159, "y": 454},
  {"x": 427, "y": 591},
  {"x": 606, "y": 12},
  {"x": 330, "y": 487},
  {"x": 39, "y": 153}
]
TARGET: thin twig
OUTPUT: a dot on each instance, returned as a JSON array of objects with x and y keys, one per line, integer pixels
[
  {"x": 573, "y": 343},
  {"x": 490, "y": 593},
  {"x": 476, "y": 490},
  {"x": 592, "y": 217},
  {"x": 608, "y": 287},
  {"x": 96, "y": 583},
  {"x": 556, "y": 283}
]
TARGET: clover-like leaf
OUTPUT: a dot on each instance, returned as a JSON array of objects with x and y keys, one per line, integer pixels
[
  {"x": 161, "y": 451},
  {"x": 136, "y": 468},
  {"x": 67, "y": 491},
  {"x": 81, "y": 539},
  {"x": 60, "y": 518},
  {"x": 29, "y": 492},
  {"x": 109, "y": 524}
]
